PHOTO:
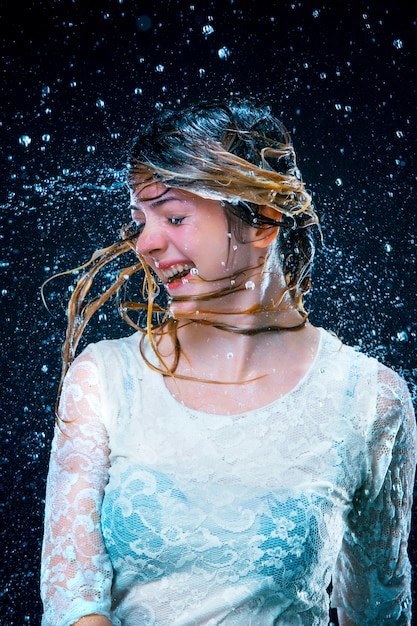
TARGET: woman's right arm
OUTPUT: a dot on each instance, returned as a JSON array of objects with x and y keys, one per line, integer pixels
[{"x": 76, "y": 573}]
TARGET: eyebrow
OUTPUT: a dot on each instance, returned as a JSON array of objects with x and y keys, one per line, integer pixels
[{"x": 161, "y": 199}]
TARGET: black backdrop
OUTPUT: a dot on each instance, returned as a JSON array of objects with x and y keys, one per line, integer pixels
[{"x": 79, "y": 76}]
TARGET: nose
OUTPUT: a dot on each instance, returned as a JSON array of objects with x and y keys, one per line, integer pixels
[{"x": 151, "y": 240}]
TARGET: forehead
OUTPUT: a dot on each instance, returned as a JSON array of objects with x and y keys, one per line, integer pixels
[
  {"x": 146, "y": 193},
  {"x": 155, "y": 194}
]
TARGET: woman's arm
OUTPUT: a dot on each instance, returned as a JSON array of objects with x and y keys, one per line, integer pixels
[
  {"x": 76, "y": 573},
  {"x": 342, "y": 618},
  {"x": 372, "y": 582}
]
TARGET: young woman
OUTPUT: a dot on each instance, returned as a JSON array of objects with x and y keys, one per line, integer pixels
[{"x": 230, "y": 463}]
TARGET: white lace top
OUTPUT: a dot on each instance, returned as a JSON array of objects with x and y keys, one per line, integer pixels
[{"x": 159, "y": 515}]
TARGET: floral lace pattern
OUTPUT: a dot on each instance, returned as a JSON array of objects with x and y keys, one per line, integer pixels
[{"x": 161, "y": 515}]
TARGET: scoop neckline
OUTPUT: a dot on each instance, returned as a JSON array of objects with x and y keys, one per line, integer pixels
[{"x": 164, "y": 391}]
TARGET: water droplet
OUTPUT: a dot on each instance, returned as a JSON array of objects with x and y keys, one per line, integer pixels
[
  {"x": 399, "y": 134},
  {"x": 398, "y": 44},
  {"x": 339, "y": 182},
  {"x": 138, "y": 91},
  {"x": 45, "y": 91},
  {"x": 388, "y": 247},
  {"x": 249, "y": 284},
  {"x": 402, "y": 335},
  {"x": 201, "y": 72},
  {"x": 44, "y": 369},
  {"x": 323, "y": 75},
  {"x": 230, "y": 355},
  {"x": 208, "y": 30},
  {"x": 160, "y": 68},
  {"x": 25, "y": 140},
  {"x": 91, "y": 148},
  {"x": 100, "y": 104},
  {"x": 46, "y": 137},
  {"x": 144, "y": 22},
  {"x": 223, "y": 53},
  {"x": 194, "y": 271}
]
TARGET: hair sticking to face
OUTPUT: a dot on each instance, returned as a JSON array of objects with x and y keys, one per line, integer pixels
[
  {"x": 242, "y": 155},
  {"x": 234, "y": 152}
]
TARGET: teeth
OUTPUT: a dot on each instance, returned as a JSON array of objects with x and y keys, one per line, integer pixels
[{"x": 174, "y": 270}]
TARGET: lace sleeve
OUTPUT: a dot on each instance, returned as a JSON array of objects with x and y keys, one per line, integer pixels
[
  {"x": 373, "y": 575},
  {"x": 76, "y": 572}
]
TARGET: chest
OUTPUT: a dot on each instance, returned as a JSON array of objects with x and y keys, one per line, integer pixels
[
  {"x": 223, "y": 398},
  {"x": 162, "y": 526}
]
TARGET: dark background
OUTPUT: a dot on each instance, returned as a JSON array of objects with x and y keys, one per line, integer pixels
[{"x": 80, "y": 76}]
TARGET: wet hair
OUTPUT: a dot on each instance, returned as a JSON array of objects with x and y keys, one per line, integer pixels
[
  {"x": 241, "y": 154},
  {"x": 235, "y": 152}
]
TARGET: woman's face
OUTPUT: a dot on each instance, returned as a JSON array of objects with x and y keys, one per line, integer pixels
[{"x": 185, "y": 239}]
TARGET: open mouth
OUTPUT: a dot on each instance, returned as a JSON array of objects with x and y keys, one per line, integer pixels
[{"x": 177, "y": 273}]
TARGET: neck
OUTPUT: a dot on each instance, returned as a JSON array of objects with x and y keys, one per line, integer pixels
[
  {"x": 209, "y": 351},
  {"x": 263, "y": 303}
]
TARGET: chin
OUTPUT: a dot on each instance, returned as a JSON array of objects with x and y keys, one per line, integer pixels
[{"x": 187, "y": 309}]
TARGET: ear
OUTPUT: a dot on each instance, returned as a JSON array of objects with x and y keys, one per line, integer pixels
[{"x": 265, "y": 235}]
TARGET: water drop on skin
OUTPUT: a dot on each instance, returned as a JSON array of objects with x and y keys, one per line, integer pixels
[
  {"x": 249, "y": 284},
  {"x": 230, "y": 355}
]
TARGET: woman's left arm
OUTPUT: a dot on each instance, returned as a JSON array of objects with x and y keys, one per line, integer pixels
[{"x": 372, "y": 584}]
